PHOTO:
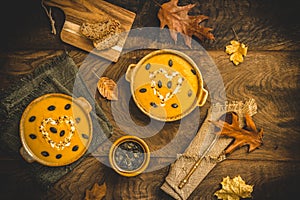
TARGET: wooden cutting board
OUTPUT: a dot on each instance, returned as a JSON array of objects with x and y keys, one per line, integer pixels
[{"x": 79, "y": 11}]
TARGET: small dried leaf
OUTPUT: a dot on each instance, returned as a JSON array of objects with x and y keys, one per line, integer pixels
[
  {"x": 237, "y": 50},
  {"x": 108, "y": 88},
  {"x": 96, "y": 193},
  {"x": 234, "y": 189}
]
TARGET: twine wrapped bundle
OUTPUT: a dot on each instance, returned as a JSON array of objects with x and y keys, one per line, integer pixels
[{"x": 205, "y": 144}]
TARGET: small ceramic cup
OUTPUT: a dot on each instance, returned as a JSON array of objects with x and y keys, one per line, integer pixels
[{"x": 129, "y": 156}]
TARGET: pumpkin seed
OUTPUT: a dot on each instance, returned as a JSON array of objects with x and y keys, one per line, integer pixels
[
  {"x": 32, "y": 118},
  {"x": 193, "y": 71},
  {"x": 84, "y": 136},
  {"x": 148, "y": 66},
  {"x": 169, "y": 84},
  {"x": 77, "y": 120},
  {"x": 153, "y": 104},
  {"x": 45, "y": 153},
  {"x": 174, "y": 105},
  {"x": 62, "y": 133},
  {"x": 51, "y": 108},
  {"x": 170, "y": 63},
  {"x": 67, "y": 106},
  {"x": 159, "y": 84},
  {"x": 58, "y": 156},
  {"x": 32, "y": 136},
  {"x": 53, "y": 129},
  {"x": 143, "y": 90},
  {"x": 75, "y": 148},
  {"x": 129, "y": 155},
  {"x": 190, "y": 92}
]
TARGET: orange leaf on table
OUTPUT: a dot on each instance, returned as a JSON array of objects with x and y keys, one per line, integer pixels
[
  {"x": 242, "y": 136},
  {"x": 108, "y": 88},
  {"x": 177, "y": 19}
]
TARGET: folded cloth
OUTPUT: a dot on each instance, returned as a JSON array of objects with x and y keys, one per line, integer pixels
[
  {"x": 57, "y": 75},
  {"x": 207, "y": 142}
]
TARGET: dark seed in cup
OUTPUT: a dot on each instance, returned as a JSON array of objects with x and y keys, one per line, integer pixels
[{"x": 129, "y": 156}]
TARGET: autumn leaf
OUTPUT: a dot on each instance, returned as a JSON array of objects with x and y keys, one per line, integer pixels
[
  {"x": 242, "y": 136},
  {"x": 237, "y": 51},
  {"x": 96, "y": 193},
  {"x": 177, "y": 19},
  {"x": 108, "y": 88},
  {"x": 234, "y": 189}
]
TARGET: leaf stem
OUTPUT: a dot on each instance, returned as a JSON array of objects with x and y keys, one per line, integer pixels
[
  {"x": 156, "y": 3},
  {"x": 236, "y": 36}
]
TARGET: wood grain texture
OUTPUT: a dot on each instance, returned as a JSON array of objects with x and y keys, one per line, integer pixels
[
  {"x": 75, "y": 184},
  {"x": 271, "y": 78},
  {"x": 269, "y": 74}
]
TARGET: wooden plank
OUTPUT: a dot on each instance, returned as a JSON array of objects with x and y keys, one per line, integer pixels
[
  {"x": 77, "y": 12},
  {"x": 269, "y": 77}
]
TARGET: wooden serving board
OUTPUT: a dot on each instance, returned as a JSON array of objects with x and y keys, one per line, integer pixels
[{"x": 79, "y": 11}]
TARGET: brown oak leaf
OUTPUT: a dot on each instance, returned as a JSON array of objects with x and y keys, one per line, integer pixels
[
  {"x": 248, "y": 135},
  {"x": 177, "y": 19},
  {"x": 108, "y": 88},
  {"x": 96, "y": 193}
]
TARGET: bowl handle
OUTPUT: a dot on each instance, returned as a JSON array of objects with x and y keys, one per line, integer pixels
[
  {"x": 26, "y": 155},
  {"x": 128, "y": 74},
  {"x": 203, "y": 97},
  {"x": 84, "y": 103}
]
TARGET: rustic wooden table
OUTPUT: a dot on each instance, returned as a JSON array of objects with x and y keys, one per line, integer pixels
[{"x": 269, "y": 74}]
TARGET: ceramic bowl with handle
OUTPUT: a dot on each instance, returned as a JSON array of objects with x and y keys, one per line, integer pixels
[
  {"x": 55, "y": 129},
  {"x": 166, "y": 85}
]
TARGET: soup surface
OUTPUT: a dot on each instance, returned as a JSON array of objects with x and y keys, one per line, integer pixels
[{"x": 55, "y": 130}]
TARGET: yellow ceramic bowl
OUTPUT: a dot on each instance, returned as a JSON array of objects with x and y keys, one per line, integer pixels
[
  {"x": 55, "y": 129},
  {"x": 129, "y": 156},
  {"x": 166, "y": 85}
]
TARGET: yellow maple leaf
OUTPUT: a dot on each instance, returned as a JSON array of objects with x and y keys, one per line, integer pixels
[
  {"x": 237, "y": 51},
  {"x": 234, "y": 189}
]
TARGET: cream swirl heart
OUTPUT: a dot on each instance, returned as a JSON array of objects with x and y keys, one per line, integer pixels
[
  {"x": 169, "y": 83},
  {"x": 61, "y": 120}
]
